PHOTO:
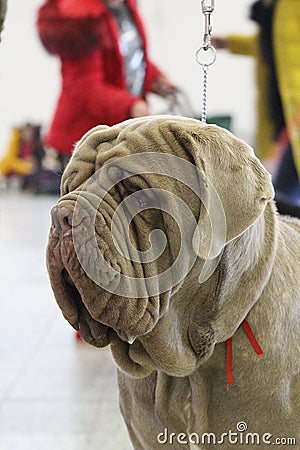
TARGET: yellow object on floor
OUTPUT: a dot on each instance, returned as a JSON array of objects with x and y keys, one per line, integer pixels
[{"x": 13, "y": 163}]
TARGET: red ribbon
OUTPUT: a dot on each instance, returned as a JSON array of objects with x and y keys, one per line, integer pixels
[
  {"x": 253, "y": 342},
  {"x": 229, "y": 372}
]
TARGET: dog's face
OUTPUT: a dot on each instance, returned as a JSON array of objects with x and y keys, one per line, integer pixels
[{"x": 142, "y": 202}]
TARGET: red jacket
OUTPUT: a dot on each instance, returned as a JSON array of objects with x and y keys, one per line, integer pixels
[{"x": 84, "y": 34}]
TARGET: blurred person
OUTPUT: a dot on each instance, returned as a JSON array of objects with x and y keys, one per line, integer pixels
[
  {"x": 248, "y": 45},
  {"x": 280, "y": 51},
  {"x": 286, "y": 49},
  {"x": 279, "y": 89},
  {"x": 105, "y": 70}
]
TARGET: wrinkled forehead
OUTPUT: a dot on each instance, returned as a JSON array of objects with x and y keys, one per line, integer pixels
[{"x": 150, "y": 137}]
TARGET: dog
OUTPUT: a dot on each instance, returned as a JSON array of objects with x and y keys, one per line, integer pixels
[{"x": 166, "y": 245}]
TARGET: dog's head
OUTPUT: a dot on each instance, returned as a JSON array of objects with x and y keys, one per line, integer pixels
[{"x": 143, "y": 202}]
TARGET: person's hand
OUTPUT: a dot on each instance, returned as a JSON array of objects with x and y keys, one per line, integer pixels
[
  {"x": 139, "y": 109},
  {"x": 219, "y": 42},
  {"x": 163, "y": 86}
]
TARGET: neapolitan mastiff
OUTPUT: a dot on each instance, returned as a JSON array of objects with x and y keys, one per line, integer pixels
[{"x": 166, "y": 245}]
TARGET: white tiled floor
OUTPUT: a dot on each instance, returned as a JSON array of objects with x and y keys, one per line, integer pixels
[{"x": 55, "y": 393}]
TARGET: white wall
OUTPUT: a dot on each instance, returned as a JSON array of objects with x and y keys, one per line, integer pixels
[{"x": 29, "y": 77}]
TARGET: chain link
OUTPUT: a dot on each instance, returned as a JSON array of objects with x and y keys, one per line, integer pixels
[
  {"x": 204, "y": 93},
  {"x": 201, "y": 56}
]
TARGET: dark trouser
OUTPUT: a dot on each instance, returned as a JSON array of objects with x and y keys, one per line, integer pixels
[
  {"x": 63, "y": 160},
  {"x": 286, "y": 181}
]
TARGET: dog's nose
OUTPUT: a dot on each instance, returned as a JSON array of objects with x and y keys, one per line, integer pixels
[{"x": 61, "y": 220}]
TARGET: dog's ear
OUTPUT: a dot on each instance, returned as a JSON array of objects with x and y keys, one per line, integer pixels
[
  {"x": 236, "y": 182},
  {"x": 235, "y": 187}
]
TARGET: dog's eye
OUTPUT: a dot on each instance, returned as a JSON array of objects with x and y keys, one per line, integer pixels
[
  {"x": 131, "y": 186},
  {"x": 115, "y": 174},
  {"x": 127, "y": 184},
  {"x": 118, "y": 175}
]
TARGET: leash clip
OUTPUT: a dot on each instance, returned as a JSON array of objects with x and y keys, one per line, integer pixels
[{"x": 207, "y": 9}]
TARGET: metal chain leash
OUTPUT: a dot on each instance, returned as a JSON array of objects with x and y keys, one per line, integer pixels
[
  {"x": 204, "y": 94},
  {"x": 206, "y": 54}
]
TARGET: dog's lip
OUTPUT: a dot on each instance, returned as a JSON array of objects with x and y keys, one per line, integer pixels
[
  {"x": 90, "y": 331},
  {"x": 72, "y": 292}
]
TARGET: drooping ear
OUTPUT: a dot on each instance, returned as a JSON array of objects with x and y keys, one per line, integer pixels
[
  {"x": 235, "y": 187},
  {"x": 210, "y": 236}
]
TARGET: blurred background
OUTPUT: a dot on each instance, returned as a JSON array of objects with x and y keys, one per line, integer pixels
[
  {"x": 29, "y": 77},
  {"x": 57, "y": 393}
]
